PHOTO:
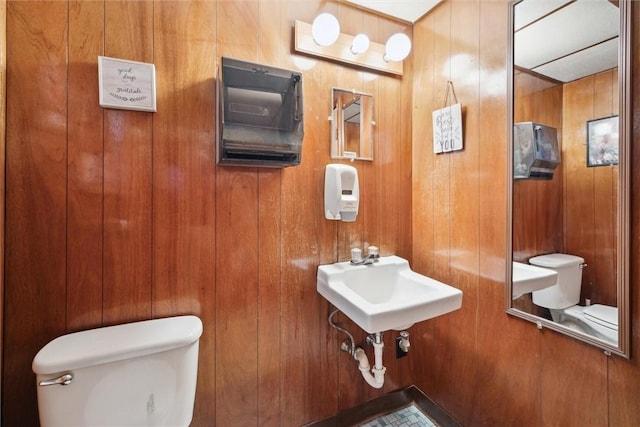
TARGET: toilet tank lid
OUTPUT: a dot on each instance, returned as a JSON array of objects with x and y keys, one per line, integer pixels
[
  {"x": 556, "y": 260},
  {"x": 113, "y": 343}
]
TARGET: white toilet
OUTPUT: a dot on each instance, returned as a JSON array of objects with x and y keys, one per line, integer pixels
[
  {"x": 562, "y": 298},
  {"x": 136, "y": 374}
]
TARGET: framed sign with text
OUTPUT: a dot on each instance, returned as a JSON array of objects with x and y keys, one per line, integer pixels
[{"x": 128, "y": 85}]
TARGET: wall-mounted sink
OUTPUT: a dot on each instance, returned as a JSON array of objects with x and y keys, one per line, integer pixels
[
  {"x": 385, "y": 295},
  {"x": 528, "y": 278}
]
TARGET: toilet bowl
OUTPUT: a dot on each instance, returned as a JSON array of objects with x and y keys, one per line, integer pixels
[
  {"x": 135, "y": 374},
  {"x": 604, "y": 320},
  {"x": 598, "y": 320}
]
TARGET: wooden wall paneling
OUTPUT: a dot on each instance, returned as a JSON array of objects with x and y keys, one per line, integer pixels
[
  {"x": 463, "y": 206},
  {"x": 393, "y": 210},
  {"x": 236, "y": 25},
  {"x": 301, "y": 306},
  {"x": 325, "y": 75},
  {"x": 449, "y": 35},
  {"x": 85, "y": 168},
  {"x": 605, "y": 199},
  {"x": 36, "y": 196},
  {"x": 497, "y": 354},
  {"x": 573, "y": 382},
  {"x": 441, "y": 164},
  {"x": 422, "y": 157},
  {"x": 272, "y": 49},
  {"x": 236, "y": 300},
  {"x": 579, "y": 180},
  {"x": 3, "y": 164},
  {"x": 303, "y": 329},
  {"x": 184, "y": 178},
  {"x": 548, "y": 213},
  {"x": 269, "y": 302},
  {"x": 351, "y": 386},
  {"x": 537, "y": 204},
  {"x": 127, "y": 176},
  {"x": 402, "y": 373},
  {"x": 607, "y": 293},
  {"x": 404, "y": 169},
  {"x": 351, "y": 234},
  {"x": 623, "y": 380},
  {"x": 429, "y": 252}
]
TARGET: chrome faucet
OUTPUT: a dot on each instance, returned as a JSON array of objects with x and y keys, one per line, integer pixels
[
  {"x": 372, "y": 256},
  {"x": 369, "y": 259}
]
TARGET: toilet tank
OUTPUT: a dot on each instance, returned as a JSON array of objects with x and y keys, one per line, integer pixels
[
  {"x": 566, "y": 292},
  {"x": 135, "y": 374}
]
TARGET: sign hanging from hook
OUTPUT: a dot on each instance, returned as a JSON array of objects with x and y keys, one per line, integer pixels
[{"x": 447, "y": 123}]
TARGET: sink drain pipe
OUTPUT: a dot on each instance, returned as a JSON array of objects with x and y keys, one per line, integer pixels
[{"x": 373, "y": 376}]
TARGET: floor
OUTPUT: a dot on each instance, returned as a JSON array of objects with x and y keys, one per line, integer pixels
[
  {"x": 410, "y": 416},
  {"x": 408, "y": 407}
]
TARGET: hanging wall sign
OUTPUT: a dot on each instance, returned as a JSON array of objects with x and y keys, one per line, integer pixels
[
  {"x": 447, "y": 125},
  {"x": 127, "y": 85}
]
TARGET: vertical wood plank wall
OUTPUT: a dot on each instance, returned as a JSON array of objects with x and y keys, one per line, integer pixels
[
  {"x": 115, "y": 216},
  {"x": 3, "y": 128},
  {"x": 483, "y": 366}
]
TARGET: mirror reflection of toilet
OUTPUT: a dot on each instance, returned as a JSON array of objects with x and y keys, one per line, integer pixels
[
  {"x": 562, "y": 299},
  {"x": 135, "y": 374}
]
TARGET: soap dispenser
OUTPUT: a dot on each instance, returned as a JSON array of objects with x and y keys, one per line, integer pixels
[{"x": 341, "y": 192}]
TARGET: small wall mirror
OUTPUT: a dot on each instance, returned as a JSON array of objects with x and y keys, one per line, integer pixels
[
  {"x": 569, "y": 139},
  {"x": 351, "y": 125}
]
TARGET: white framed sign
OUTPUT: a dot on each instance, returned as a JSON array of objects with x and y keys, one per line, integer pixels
[
  {"x": 447, "y": 129},
  {"x": 127, "y": 85}
]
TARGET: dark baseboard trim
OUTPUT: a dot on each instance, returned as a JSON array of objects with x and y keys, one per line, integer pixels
[{"x": 388, "y": 403}]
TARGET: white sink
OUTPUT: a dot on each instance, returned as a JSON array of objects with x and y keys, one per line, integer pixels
[
  {"x": 385, "y": 295},
  {"x": 528, "y": 278}
]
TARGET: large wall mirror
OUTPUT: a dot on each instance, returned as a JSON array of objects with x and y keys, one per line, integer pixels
[
  {"x": 569, "y": 93},
  {"x": 351, "y": 125}
]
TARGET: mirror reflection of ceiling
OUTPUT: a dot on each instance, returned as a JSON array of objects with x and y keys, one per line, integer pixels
[
  {"x": 404, "y": 10},
  {"x": 566, "y": 40},
  {"x": 352, "y": 111}
]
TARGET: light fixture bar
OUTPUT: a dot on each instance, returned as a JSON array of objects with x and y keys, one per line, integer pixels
[{"x": 341, "y": 51}]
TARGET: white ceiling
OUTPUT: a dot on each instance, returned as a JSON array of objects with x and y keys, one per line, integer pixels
[
  {"x": 404, "y": 10},
  {"x": 566, "y": 40}
]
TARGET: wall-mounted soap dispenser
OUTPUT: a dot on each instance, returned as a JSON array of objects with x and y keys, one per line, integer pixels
[{"x": 341, "y": 192}]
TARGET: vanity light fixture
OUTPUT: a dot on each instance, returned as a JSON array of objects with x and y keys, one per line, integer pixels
[
  {"x": 320, "y": 39},
  {"x": 360, "y": 44},
  {"x": 325, "y": 29},
  {"x": 397, "y": 48}
]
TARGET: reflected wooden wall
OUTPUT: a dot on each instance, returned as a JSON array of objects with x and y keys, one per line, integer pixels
[
  {"x": 115, "y": 216},
  {"x": 575, "y": 212},
  {"x": 538, "y": 221},
  {"x": 591, "y": 193}
]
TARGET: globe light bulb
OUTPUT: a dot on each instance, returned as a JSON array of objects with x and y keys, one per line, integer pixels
[
  {"x": 359, "y": 44},
  {"x": 397, "y": 48},
  {"x": 325, "y": 29}
]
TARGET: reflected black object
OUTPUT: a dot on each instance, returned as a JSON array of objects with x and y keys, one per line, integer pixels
[{"x": 536, "y": 153}]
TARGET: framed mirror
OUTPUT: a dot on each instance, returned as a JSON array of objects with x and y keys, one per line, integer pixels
[
  {"x": 569, "y": 142},
  {"x": 351, "y": 125}
]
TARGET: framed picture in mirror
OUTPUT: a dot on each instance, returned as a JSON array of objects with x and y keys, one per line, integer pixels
[{"x": 602, "y": 141}]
